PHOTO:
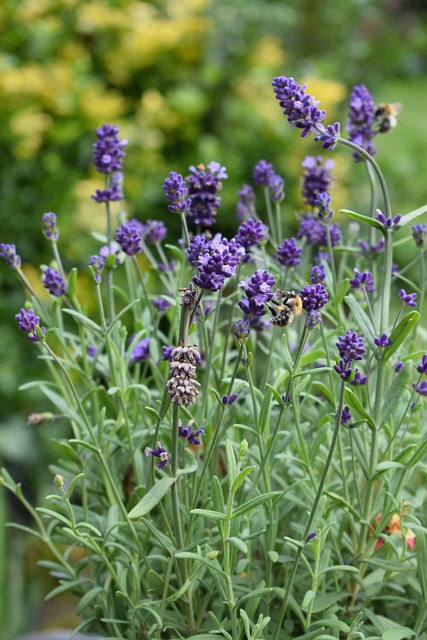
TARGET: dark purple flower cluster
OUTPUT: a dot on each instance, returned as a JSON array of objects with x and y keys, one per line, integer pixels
[
  {"x": 422, "y": 388},
  {"x": 161, "y": 304},
  {"x": 50, "y": 229},
  {"x": 316, "y": 178},
  {"x": 382, "y": 341},
  {"x": 176, "y": 191},
  {"x": 245, "y": 208},
  {"x": 28, "y": 323},
  {"x": 258, "y": 292},
  {"x": 8, "y": 253},
  {"x": 250, "y": 234},
  {"x": 241, "y": 330},
  {"x": 158, "y": 452},
  {"x": 346, "y": 416},
  {"x": 141, "y": 351},
  {"x": 154, "y": 231},
  {"x": 317, "y": 273},
  {"x": 217, "y": 262},
  {"x": 388, "y": 222},
  {"x": 422, "y": 368},
  {"x": 276, "y": 188},
  {"x": 263, "y": 173},
  {"x": 419, "y": 233},
  {"x": 408, "y": 298},
  {"x": 228, "y": 400},
  {"x": 203, "y": 186},
  {"x": 362, "y": 280},
  {"x": 322, "y": 203},
  {"x": 289, "y": 253},
  {"x": 187, "y": 433},
  {"x": 108, "y": 150},
  {"x": 314, "y": 231},
  {"x": 198, "y": 245},
  {"x": 358, "y": 379},
  {"x": 330, "y": 136},
  {"x": 97, "y": 263},
  {"x": 361, "y": 120},
  {"x": 54, "y": 282},
  {"x": 129, "y": 238},
  {"x": 314, "y": 297},
  {"x": 298, "y": 106},
  {"x": 350, "y": 346},
  {"x": 372, "y": 249}
]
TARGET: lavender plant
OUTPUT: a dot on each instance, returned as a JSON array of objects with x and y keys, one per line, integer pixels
[{"x": 228, "y": 474}]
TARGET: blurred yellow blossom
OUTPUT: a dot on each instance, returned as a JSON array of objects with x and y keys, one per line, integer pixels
[{"x": 29, "y": 125}]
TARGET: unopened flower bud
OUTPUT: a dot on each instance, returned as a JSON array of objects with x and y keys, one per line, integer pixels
[{"x": 59, "y": 481}]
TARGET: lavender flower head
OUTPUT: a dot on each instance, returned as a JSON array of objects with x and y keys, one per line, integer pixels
[
  {"x": 408, "y": 298},
  {"x": 419, "y": 233},
  {"x": 389, "y": 223},
  {"x": 97, "y": 263},
  {"x": 203, "y": 186},
  {"x": 158, "y": 452},
  {"x": 251, "y": 233},
  {"x": 108, "y": 150},
  {"x": 154, "y": 231},
  {"x": 317, "y": 273},
  {"x": 276, "y": 188},
  {"x": 8, "y": 253},
  {"x": 187, "y": 433},
  {"x": 129, "y": 238},
  {"x": 361, "y": 120},
  {"x": 28, "y": 322},
  {"x": 176, "y": 191},
  {"x": 54, "y": 282},
  {"x": 362, "y": 280},
  {"x": 289, "y": 253},
  {"x": 298, "y": 106},
  {"x": 258, "y": 292},
  {"x": 50, "y": 229},
  {"x": 422, "y": 388},
  {"x": 382, "y": 341},
  {"x": 241, "y": 330},
  {"x": 263, "y": 173},
  {"x": 141, "y": 351},
  {"x": 245, "y": 208},
  {"x": 316, "y": 178},
  {"x": 218, "y": 262},
  {"x": 314, "y": 297},
  {"x": 322, "y": 203},
  {"x": 422, "y": 368},
  {"x": 350, "y": 346},
  {"x": 198, "y": 245}
]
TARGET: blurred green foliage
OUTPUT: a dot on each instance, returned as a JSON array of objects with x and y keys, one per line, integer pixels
[{"x": 187, "y": 82}]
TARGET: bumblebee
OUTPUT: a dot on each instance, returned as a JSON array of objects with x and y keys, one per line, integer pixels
[
  {"x": 284, "y": 307},
  {"x": 385, "y": 115}
]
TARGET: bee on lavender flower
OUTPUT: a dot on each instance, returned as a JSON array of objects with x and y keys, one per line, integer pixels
[
  {"x": 385, "y": 115},
  {"x": 284, "y": 307}
]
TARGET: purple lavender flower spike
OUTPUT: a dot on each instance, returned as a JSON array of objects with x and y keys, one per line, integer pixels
[
  {"x": 289, "y": 253},
  {"x": 276, "y": 188},
  {"x": 346, "y": 415},
  {"x": 245, "y": 208},
  {"x": 129, "y": 239},
  {"x": 419, "y": 233},
  {"x": 258, "y": 292},
  {"x": 422, "y": 388},
  {"x": 176, "y": 191},
  {"x": 97, "y": 263},
  {"x": 389, "y": 223},
  {"x": 158, "y": 452},
  {"x": 408, "y": 298},
  {"x": 350, "y": 346},
  {"x": 154, "y": 231},
  {"x": 362, "y": 280},
  {"x": 141, "y": 351},
  {"x": 50, "y": 229},
  {"x": 322, "y": 203},
  {"x": 198, "y": 245},
  {"x": 241, "y": 330},
  {"x": 250, "y": 234},
  {"x": 203, "y": 186},
  {"x": 358, "y": 379},
  {"x": 313, "y": 319},
  {"x": 361, "y": 120},
  {"x": 218, "y": 262},
  {"x": 161, "y": 304},
  {"x": 8, "y": 253},
  {"x": 310, "y": 228},
  {"x": 344, "y": 369},
  {"x": 382, "y": 341},
  {"x": 28, "y": 323},
  {"x": 314, "y": 297},
  {"x": 398, "y": 366},
  {"x": 329, "y": 139},
  {"x": 316, "y": 178},
  {"x": 299, "y": 107},
  {"x": 317, "y": 273},
  {"x": 422, "y": 368},
  {"x": 263, "y": 173},
  {"x": 108, "y": 150},
  {"x": 54, "y": 282}
]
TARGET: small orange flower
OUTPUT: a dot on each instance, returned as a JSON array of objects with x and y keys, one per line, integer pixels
[{"x": 394, "y": 526}]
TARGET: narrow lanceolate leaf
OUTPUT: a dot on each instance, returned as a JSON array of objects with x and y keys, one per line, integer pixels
[
  {"x": 354, "y": 403},
  {"x": 408, "y": 217},
  {"x": 361, "y": 218},
  {"x": 255, "y": 502},
  {"x": 231, "y": 460},
  {"x": 240, "y": 478},
  {"x": 217, "y": 495},
  {"x": 208, "y": 513},
  {"x": 421, "y": 552},
  {"x": 400, "y": 333},
  {"x": 239, "y": 544},
  {"x": 152, "y": 497}
]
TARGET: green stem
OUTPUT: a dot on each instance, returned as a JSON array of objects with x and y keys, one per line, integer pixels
[{"x": 312, "y": 515}]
